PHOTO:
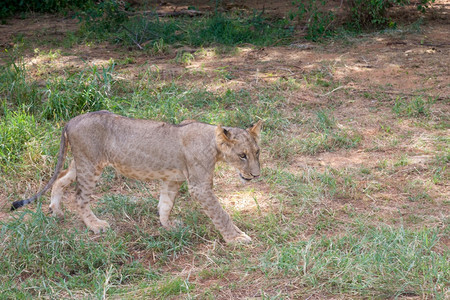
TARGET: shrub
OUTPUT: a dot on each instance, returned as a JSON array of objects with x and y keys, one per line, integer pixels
[
  {"x": 111, "y": 22},
  {"x": 373, "y": 13},
  {"x": 319, "y": 22},
  {"x": 11, "y": 7}
]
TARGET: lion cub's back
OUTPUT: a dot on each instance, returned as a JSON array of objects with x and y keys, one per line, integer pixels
[{"x": 113, "y": 138}]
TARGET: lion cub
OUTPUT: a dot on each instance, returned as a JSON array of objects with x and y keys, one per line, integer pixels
[{"x": 145, "y": 150}]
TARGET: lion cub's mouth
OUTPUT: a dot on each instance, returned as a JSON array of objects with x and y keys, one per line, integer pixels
[{"x": 246, "y": 179}]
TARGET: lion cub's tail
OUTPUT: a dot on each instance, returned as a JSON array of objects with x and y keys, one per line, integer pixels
[{"x": 61, "y": 158}]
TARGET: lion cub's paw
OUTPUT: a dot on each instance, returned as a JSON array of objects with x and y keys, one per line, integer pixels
[
  {"x": 240, "y": 239},
  {"x": 172, "y": 224},
  {"x": 99, "y": 226},
  {"x": 56, "y": 211}
]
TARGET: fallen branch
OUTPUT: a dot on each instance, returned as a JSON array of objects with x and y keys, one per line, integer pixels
[{"x": 184, "y": 12}]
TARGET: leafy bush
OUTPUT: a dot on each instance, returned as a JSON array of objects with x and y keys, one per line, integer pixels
[
  {"x": 319, "y": 22},
  {"x": 110, "y": 22},
  {"x": 373, "y": 13},
  {"x": 104, "y": 16},
  {"x": 10, "y": 7}
]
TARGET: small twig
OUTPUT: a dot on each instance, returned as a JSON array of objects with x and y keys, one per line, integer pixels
[
  {"x": 435, "y": 45},
  {"x": 401, "y": 93},
  {"x": 384, "y": 92},
  {"x": 183, "y": 12},
  {"x": 338, "y": 88},
  {"x": 134, "y": 41},
  {"x": 286, "y": 69},
  {"x": 370, "y": 197}
]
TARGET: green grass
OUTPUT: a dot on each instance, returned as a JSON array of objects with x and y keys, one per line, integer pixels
[
  {"x": 16, "y": 130},
  {"x": 154, "y": 32},
  {"x": 331, "y": 230},
  {"x": 323, "y": 134},
  {"x": 38, "y": 256},
  {"x": 371, "y": 262},
  {"x": 41, "y": 257},
  {"x": 17, "y": 89},
  {"x": 416, "y": 107},
  {"x": 311, "y": 186}
]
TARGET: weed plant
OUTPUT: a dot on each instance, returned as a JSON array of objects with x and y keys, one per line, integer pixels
[
  {"x": 17, "y": 128},
  {"x": 11, "y": 7},
  {"x": 416, "y": 107},
  {"x": 17, "y": 89},
  {"x": 79, "y": 93}
]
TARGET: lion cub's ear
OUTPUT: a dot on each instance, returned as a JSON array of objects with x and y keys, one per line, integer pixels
[
  {"x": 255, "y": 130},
  {"x": 223, "y": 136}
]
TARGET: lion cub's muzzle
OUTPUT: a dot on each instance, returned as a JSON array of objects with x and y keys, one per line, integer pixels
[{"x": 248, "y": 177}]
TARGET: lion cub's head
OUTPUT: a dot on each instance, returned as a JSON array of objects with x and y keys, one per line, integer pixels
[{"x": 240, "y": 149}]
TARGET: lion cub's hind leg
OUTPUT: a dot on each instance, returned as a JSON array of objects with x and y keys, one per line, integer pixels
[
  {"x": 65, "y": 178},
  {"x": 169, "y": 190},
  {"x": 87, "y": 176}
]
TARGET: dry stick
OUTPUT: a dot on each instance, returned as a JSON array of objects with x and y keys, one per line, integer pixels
[
  {"x": 403, "y": 93},
  {"x": 188, "y": 12},
  {"x": 134, "y": 41},
  {"x": 185, "y": 12},
  {"x": 338, "y": 88},
  {"x": 385, "y": 92},
  {"x": 435, "y": 45}
]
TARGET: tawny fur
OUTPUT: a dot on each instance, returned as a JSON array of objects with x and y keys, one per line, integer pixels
[{"x": 145, "y": 150}]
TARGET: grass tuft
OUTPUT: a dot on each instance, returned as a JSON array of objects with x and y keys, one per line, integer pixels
[{"x": 416, "y": 107}]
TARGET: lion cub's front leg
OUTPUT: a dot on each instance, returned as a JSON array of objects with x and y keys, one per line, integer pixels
[
  {"x": 169, "y": 190},
  {"x": 221, "y": 220}
]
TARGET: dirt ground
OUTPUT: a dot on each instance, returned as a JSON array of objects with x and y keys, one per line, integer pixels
[{"x": 402, "y": 63}]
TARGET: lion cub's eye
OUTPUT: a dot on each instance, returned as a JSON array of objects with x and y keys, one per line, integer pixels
[{"x": 243, "y": 156}]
